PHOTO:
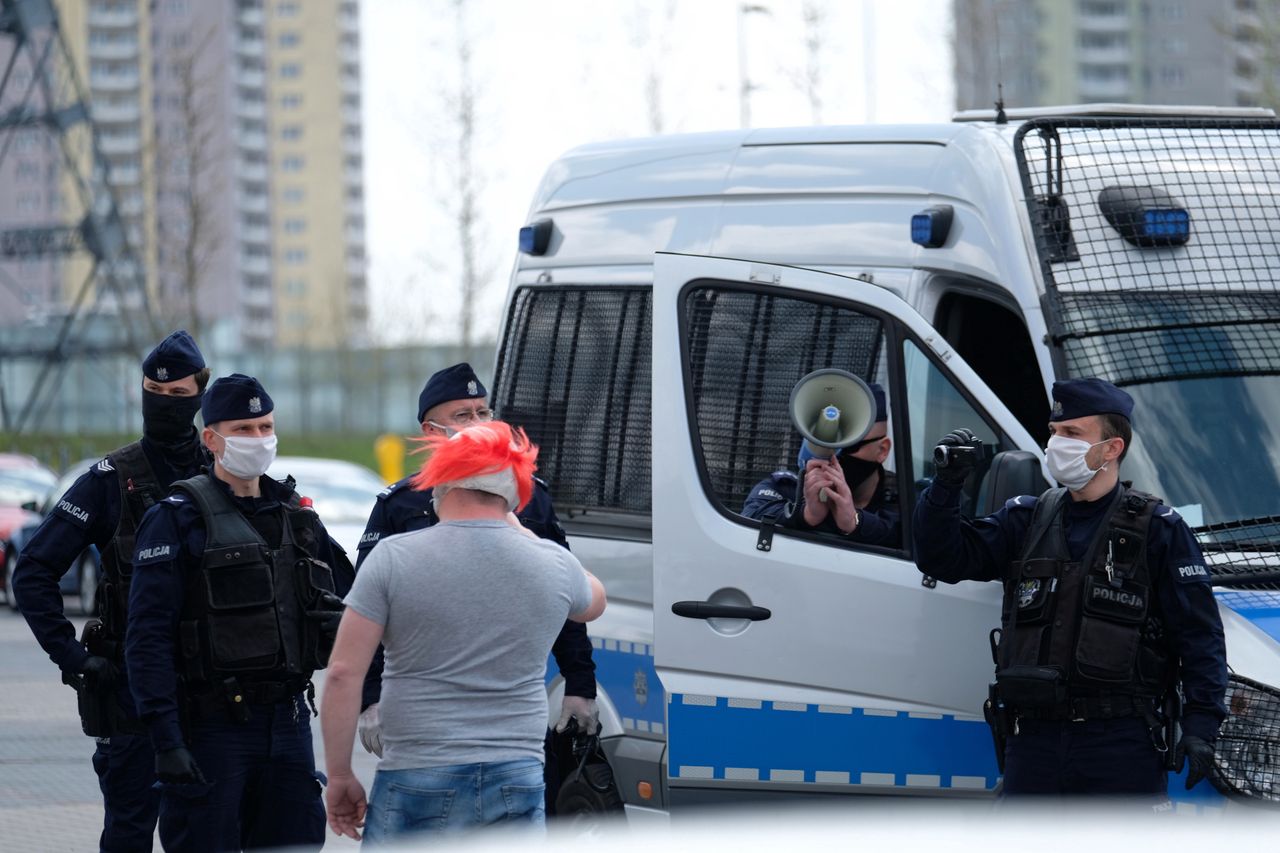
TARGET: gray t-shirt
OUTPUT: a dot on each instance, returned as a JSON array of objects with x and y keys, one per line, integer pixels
[{"x": 470, "y": 610}]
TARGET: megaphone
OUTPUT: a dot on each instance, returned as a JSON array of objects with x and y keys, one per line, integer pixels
[{"x": 831, "y": 409}]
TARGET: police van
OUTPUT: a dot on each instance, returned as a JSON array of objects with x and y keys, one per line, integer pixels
[{"x": 670, "y": 292}]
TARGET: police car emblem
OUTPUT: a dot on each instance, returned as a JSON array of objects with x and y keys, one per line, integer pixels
[
  {"x": 472, "y": 388},
  {"x": 641, "y": 687},
  {"x": 1027, "y": 592},
  {"x": 255, "y": 405},
  {"x": 162, "y": 373}
]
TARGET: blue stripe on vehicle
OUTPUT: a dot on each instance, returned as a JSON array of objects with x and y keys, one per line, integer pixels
[
  {"x": 720, "y": 738},
  {"x": 624, "y": 671},
  {"x": 1260, "y": 606}
]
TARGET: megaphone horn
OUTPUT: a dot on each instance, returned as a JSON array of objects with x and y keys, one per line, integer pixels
[{"x": 831, "y": 409}]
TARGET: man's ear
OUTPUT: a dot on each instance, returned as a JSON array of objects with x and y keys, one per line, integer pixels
[
  {"x": 886, "y": 444},
  {"x": 206, "y": 438}
]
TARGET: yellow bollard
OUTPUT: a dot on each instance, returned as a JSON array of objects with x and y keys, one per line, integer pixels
[{"x": 389, "y": 450}]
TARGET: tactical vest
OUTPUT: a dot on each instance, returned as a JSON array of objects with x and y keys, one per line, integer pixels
[
  {"x": 139, "y": 491},
  {"x": 245, "y": 608},
  {"x": 1086, "y": 628}
]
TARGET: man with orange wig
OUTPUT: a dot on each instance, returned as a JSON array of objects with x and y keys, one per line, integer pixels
[{"x": 467, "y": 611}]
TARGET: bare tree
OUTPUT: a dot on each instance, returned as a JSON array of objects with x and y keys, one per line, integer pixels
[
  {"x": 187, "y": 188},
  {"x": 814, "y": 14},
  {"x": 651, "y": 37}
]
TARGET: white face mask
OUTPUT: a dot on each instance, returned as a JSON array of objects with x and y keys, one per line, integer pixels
[
  {"x": 1066, "y": 458},
  {"x": 247, "y": 458}
]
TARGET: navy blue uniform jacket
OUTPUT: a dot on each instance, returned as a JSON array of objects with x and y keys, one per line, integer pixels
[
  {"x": 86, "y": 515},
  {"x": 778, "y": 498},
  {"x": 170, "y": 543},
  {"x": 400, "y": 509},
  {"x": 951, "y": 548}
]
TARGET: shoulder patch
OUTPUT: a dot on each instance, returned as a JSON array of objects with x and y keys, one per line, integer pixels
[
  {"x": 768, "y": 493},
  {"x": 391, "y": 489},
  {"x": 72, "y": 512},
  {"x": 541, "y": 482},
  {"x": 176, "y": 499},
  {"x": 158, "y": 552},
  {"x": 1192, "y": 573},
  {"x": 104, "y": 467},
  {"x": 1167, "y": 514},
  {"x": 1021, "y": 502},
  {"x": 784, "y": 475}
]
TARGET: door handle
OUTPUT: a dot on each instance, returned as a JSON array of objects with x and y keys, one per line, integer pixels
[{"x": 707, "y": 610}]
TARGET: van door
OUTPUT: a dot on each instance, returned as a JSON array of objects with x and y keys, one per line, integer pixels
[{"x": 802, "y": 662}]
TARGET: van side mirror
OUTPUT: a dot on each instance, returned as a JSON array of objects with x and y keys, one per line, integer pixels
[
  {"x": 1012, "y": 473},
  {"x": 31, "y": 506}
]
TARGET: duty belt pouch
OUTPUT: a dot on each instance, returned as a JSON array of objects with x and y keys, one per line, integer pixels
[
  {"x": 94, "y": 706},
  {"x": 1023, "y": 687},
  {"x": 321, "y": 609}
]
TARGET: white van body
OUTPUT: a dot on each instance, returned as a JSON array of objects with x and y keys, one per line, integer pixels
[{"x": 862, "y": 679}]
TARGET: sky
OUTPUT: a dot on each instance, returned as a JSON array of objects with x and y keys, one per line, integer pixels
[{"x": 555, "y": 74}]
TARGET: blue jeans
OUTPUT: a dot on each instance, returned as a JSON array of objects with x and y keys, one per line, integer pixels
[{"x": 448, "y": 800}]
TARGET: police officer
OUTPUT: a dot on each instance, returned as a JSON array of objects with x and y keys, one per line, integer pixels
[
  {"x": 103, "y": 508},
  {"x": 231, "y": 609},
  {"x": 452, "y": 399},
  {"x": 1107, "y": 609},
  {"x": 862, "y": 497}
]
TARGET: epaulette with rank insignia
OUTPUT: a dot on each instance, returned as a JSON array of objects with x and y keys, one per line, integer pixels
[
  {"x": 104, "y": 468},
  {"x": 785, "y": 475}
]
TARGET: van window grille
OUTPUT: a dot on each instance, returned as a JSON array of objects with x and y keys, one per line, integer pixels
[
  {"x": 1133, "y": 313},
  {"x": 574, "y": 371},
  {"x": 744, "y": 351}
]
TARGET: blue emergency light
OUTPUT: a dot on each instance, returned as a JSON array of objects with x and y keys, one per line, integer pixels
[
  {"x": 1147, "y": 217},
  {"x": 535, "y": 238},
  {"x": 929, "y": 227}
]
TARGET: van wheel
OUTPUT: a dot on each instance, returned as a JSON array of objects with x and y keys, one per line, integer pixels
[
  {"x": 88, "y": 585},
  {"x": 590, "y": 795}
]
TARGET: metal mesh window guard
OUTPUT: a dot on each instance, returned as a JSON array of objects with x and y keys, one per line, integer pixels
[
  {"x": 574, "y": 371},
  {"x": 1248, "y": 747},
  {"x": 1129, "y": 311},
  {"x": 745, "y": 350}
]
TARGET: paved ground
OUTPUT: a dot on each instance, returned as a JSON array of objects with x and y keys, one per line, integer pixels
[{"x": 49, "y": 798}]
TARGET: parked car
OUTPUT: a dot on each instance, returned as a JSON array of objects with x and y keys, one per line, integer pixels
[
  {"x": 343, "y": 493},
  {"x": 82, "y": 580}
]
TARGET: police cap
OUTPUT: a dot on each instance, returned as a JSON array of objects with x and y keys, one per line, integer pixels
[
  {"x": 458, "y": 382},
  {"x": 235, "y": 398},
  {"x": 174, "y": 358},
  {"x": 882, "y": 406},
  {"x": 1078, "y": 398}
]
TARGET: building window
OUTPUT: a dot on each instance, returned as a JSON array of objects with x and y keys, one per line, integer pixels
[
  {"x": 294, "y": 195},
  {"x": 290, "y": 102},
  {"x": 296, "y": 287},
  {"x": 286, "y": 10},
  {"x": 1173, "y": 76},
  {"x": 289, "y": 39},
  {"x": 291, "y": 132},
  {"x": 290, "y": 70},
  {"x": 295, "y": 226},
  {"x": 291, "y": 164},
  {"x": 294, "y": 257}
]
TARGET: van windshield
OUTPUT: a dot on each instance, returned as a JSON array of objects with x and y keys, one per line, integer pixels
[{"x": 1209, "y": 447}]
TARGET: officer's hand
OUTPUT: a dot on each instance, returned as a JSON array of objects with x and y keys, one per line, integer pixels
[
  {"x": 99, "y": 673},
  {"x": 956, "y": 455},
  {"x": 178, "y": 766},
  {"x": 815, "y": 480},
  {"x": 1199, "y": 754},
  {"x": 369, "y": 728},
  {"x": 586, "y": 710},
  {"x": 840, "y": 499}
]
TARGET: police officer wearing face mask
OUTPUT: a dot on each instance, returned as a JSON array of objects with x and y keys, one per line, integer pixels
[
  {"x": 233, "y": 606},
  {"x": 452, "y": 399},
  {"x": 862, "y": 497},
  {"x": 1107, "y": 610},
  {"x": 104, "y": 508}
]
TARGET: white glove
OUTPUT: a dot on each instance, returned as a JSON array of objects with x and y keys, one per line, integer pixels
[
  {"x": 586, "y": 710},
  {"x": 370, "y": 730}
]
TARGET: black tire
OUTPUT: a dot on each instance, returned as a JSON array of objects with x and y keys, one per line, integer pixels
[
  {"x": 87, "y": 582},
  {"x": 593, "y": 794},
  {"x": 10, "y": 560}
]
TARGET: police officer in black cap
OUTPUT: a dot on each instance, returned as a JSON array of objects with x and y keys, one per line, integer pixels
[
  {"x": 452, "y": 399},
  {"x": 862, "y": 497},
  {"x": 1107, "y": 610},
  {"x": 233, "y": 606},
  {"x": 104, "y": 508}
]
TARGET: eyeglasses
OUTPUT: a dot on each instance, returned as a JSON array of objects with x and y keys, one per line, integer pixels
[{"x": 468, "y": 417}]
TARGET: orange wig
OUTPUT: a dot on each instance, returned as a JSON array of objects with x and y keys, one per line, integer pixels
[{"x": 485, "y": 448}]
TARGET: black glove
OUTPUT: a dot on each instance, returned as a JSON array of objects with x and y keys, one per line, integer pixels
[
  {"x": 1199, "y": 754},
  {"x": 956, "y": 455},
  {"x": 178, "y": 766},
  {"x": 99, "y": 673}
]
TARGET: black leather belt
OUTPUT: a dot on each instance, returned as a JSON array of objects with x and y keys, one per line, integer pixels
[{"x": 1082, "y": 708}]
